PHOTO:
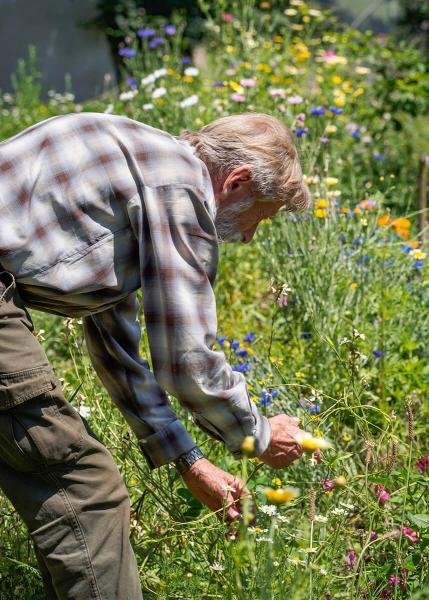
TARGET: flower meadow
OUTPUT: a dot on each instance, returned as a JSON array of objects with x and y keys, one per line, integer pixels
[{"x": 325, "y": 313}]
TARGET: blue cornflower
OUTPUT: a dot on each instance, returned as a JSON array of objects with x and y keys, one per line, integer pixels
[
  {"x": 235, "y": 345},
  {"x": 342, "y": 238},
  {"x": 185, "y": 60},
  {"x": 378, "y": 156},
  {"x": 378, "y": 353},
  {"x": 218, "y": 84},
  {"x": 265, "y": 398},
  {"x": 418, "y": 264},
  {"x": 356, "y": 134},
  {"x": 155, "y": 42},
  {"x": 146, "y": 32},
  {"x": 301, "y": 131},
  {"x": 362, "y": 260},
  {"x": 170, "y": 29},
  {"x": 242, "y": 367},
  {"x": 312, "y": 407},
  {"x": 306, "y": 335},
  {"x": 222, "y": 339},
  {"x": 318, "y": 111},
  {"x": 131, "y": 82},
  {"x": 126, "y": 52},
  {"x": 241, "y": 352},
  {"x": 335, "y": 110},
  {"x": 388, "y": 263},
  {"x": 274, "y": 393},
  {"x": 249, "y": 337}
]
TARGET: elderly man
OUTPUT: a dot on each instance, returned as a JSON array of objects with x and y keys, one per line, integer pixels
[{"x": 95, "y": 207}]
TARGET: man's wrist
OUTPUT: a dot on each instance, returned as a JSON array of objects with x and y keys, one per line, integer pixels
[{"x": 186, "y": 460}]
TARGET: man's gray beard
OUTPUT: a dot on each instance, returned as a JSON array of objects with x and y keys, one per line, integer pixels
[{"x": 225, "y": 221}]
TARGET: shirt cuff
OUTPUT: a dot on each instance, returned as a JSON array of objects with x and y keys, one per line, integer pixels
[
  {"x": 261, "y": 436},
  {"x": 166, "y": 445}
]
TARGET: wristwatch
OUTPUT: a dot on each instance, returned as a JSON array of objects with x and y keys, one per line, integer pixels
[{"x": 185, "y": 462}]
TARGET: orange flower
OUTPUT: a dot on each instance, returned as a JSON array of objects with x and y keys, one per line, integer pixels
[
  {"x": 404, "y": 233},
  {"x": 383, "y": 221},
  {"x": 401, "y": 223}
]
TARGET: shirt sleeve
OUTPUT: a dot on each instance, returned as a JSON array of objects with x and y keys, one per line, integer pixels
[
  {"x": 179, "y": 254},
  {"x": 112, "y": 338}
]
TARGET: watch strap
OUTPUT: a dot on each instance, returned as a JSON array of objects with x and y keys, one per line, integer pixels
[{"x": 185, "y": 461}]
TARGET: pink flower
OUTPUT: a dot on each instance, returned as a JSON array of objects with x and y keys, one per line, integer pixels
[
  {"x": 300, "y": 117},
  {"x": 277, "y": 92},
  {"x": 423, "y": 463},
  {"x": 381, "y": 494},
  {"x": 238, "y": 97},
  {"x": 248, "y": 82},
  {"x": 329, "y": 54},
  {"x": 410, "y": 534},
  {"x": 350, "y": 559},
  {"x": 294, "y": 100},
  {"x": 324, "y": 139},
  {"x": 228, "y": 17},
  {"x": 328, "y": 484}
]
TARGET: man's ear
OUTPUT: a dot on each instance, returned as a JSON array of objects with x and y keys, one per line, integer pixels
[{"x": 238, "y": 176}]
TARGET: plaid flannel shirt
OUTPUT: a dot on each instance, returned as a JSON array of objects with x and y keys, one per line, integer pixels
[{"x": 95, "y": 206}]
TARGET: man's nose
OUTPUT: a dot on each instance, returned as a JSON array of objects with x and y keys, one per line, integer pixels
[{"x": 248, "y": 234}]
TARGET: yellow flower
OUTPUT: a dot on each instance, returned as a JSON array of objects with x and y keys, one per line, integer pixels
[
  {"x": 362, "y": 70},
  {"x": 353, "y": 285},
  {"x": 330, "y": 181},
  {"x": 364, "y": 222},
  {"x": 282, "y": 495},
  {"x": 336, "y": 80},
  {"x": 346, "y": 437},
  {"x": 291, "y": 12},
  {"x": 340, "y": 101},
  {"x": 331, "y": 128},
  {"x": 358, "y": 92},
  {"x": 265, "y": 5},
  {"x": 230, "y": 49},
  {"x": 248, "y": 445},
  {"x": 188, "y": 79},
  {"x": 416, "y": 253},
  {"x": 297, "y": 27},
  {"x": 278, "y": 39},
  {"x": 310, "y": 443},
  {"x": 345, "y": 210},
  {"x": 276, "y": 481},
  {"x": 300, "y": 375},
  {"x": 306, "y": 19},
  {"x": 320, "y": 213},
  {"x": 321, "y": 203},
  {"x": 266, "y": 45}
]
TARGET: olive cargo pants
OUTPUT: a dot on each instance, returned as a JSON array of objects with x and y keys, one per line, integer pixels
[{"x": 62, "y": 481}]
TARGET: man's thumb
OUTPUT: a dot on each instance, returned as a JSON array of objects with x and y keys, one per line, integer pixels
[{"x": 231, "y": 511}]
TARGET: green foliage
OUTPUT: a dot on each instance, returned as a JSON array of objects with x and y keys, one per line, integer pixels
[{"x": 337, "y": 300}]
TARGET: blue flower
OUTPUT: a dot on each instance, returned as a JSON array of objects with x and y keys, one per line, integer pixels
[
  {"x": 378, "y": 156},
  {"x": 241, "y": 352},
  {"x": 265, "y": 398},
  {"x": 318, "y": 111},
  {"x": 335, "y": 110},
  {"x": 362, "y": 260},
  {"x": 378, "y": 353},
  {"x": 418, "y": 264},
  {"x": 155, "y": 42},
  {"x": 249, "y": 337},
  {"x": 170, "y": 29},
  {"x": 274, "y": 393},
  {"x": 185, "y": 60},
  {"x": 342, "y": 238},
  {"x": 312, "y": 407},
  {"x": 242, "y": 367},
  {"x": 301, "y": 131},
  {"x": 131, "y": 82},
  {"x": 126, "y": 52},
  {"x": 222, "y": 339},
  {"x": 306, "y": 335},
  {"x": 146, "y": 32},
  {"x": 388, "y": 263},
  {"x": 218, "y": 84},
  {"x": 234, "y": 345},
  {"x": 356, "y": 134}
]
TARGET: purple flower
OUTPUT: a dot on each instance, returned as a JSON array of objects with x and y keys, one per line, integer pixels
[
  {"x": 373, "y": 536},
  {"x": 350, "y": 559},
  {"x": 306, "y": 335},
  {"x": 126, "y": 52},
  {"x": 381, "y": 494},
  {"x": 328, "y": 484},
  {"x": 170, "y": 29},
  {"x": 185, "y": 60},
  {"x": 423, "y": 463},
  {"x": 218, "y": 84},
  {"x": 131, "y": 82},
  {"x": 318, "y": 111},
  {"x": 324, "y": 139},
  {"x": 378, "y": 353},
  {"x": 146, "y": 32},
  {"x": 378, "y": 156},
  {"x": 335, "y": 110},
  {"x": 249, "y": 337},
  {"x": 155, "y": 42},
  {"x": 312, "y": 407},
  {"x": 222, "y": 339}
]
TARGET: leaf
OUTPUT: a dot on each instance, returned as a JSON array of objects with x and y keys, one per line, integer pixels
[{"x": 420, "y": 521}]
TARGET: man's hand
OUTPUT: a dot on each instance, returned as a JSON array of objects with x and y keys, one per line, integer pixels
[
  {"x": 283, "y": 448},
  {"x": 215, "y": 488}
]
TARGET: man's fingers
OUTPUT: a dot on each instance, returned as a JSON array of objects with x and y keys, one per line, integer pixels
[{"x": 231, "y": 511}]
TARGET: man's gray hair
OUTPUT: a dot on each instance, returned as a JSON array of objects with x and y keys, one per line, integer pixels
[{"x": 261, "y": 142}]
